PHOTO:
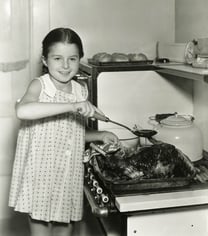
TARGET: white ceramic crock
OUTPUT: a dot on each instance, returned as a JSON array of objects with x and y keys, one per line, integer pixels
[{"x": 181, "y": 131}]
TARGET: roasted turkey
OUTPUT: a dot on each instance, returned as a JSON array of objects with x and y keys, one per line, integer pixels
[{"x": 158, "y": 161}]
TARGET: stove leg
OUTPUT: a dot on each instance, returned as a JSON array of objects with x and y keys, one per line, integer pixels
[
  {"x": 113, "y": 225},
  {"x": 123, "y": 225}
]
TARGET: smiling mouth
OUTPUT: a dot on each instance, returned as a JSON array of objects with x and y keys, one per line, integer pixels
[{"x": 64, "y": 72}]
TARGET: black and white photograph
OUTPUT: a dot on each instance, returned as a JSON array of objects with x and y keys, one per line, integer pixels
[{"x": 104, "y": 117}]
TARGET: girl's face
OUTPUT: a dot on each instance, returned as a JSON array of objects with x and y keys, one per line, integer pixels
[{"x": 62, "y": 62}]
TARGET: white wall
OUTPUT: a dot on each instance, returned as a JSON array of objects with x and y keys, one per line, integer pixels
[
  {"x": 116, "y": 25},
  {"x": 111, "y": 25},
  {"x": 14, "y": 76},
  {"x": 191, "y": 19},
  {"x": 191, "y": 23}
]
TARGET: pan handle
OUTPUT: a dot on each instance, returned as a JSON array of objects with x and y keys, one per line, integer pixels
[{"x": 162, "y": 116}]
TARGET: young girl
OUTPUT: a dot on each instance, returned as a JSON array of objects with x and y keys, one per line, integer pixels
[{"x": 47, "y": 181}]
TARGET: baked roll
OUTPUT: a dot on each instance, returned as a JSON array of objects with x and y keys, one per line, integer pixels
[
  {"x": 102, "y": 57},
  {"x": 120, "y": 57},
  {"x": 137, "y": 57}
]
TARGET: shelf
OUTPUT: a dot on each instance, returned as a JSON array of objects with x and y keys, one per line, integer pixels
[
  {"x": 90, "y": 68},
  {"x": 182, "y": 70},
  {"x": 172, "y": 68}
]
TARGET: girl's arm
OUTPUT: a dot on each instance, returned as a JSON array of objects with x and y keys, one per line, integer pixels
[
  {"x": 29, "y": 107},
  {"x": 102, "y": 136}
]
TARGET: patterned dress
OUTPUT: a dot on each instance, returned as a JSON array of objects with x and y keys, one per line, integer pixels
[{"x": 47, "y": 180}]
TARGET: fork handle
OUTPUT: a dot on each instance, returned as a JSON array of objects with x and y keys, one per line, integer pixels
[{"x": 96, "y": 148}]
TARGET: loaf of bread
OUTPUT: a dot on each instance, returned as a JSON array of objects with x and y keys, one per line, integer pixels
[
  {"x": 137, "y": 57},
  {"x": 102, "y": 57},
  {"x": 120, "y": 57}
]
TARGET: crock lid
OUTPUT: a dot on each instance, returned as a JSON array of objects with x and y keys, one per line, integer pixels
[{"x": 177, "y": 120}]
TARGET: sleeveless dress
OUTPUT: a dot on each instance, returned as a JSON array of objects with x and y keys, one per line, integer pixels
[{"x": 48, "y": 171}]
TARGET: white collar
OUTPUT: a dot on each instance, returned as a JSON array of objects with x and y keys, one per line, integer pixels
[{"x": 50, "y": 88}]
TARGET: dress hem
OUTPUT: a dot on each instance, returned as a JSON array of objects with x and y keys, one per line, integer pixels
[{"x": 45, "y": 220}]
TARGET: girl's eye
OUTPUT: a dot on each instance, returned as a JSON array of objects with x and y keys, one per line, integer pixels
[
  {"x": 57, "y": 58},
  {"x": 73, "y": 58}
]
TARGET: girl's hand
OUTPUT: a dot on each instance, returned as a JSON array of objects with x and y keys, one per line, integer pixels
[
  {"x": 85, "y": 108},
  {"x": 109, "y": 137}
]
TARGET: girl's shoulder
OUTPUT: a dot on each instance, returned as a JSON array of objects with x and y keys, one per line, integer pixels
[{"x": 33, "y": 89}]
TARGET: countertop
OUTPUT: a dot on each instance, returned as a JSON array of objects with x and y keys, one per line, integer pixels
[
  {"x": 171, "y": 68},
  {"x": 182, "y": 70},
  {"x": 162, "y": 200}
]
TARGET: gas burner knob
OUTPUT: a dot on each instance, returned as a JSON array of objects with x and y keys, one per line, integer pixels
[
  {"x": 88, "y": 172},
  {"x": 99, "y": 190},
  {"x": 92, "y": 176},
  {"x": 89, "y": 169},
  {"x": 105, "y": 198},
  {"x": 96, "y": 190},
  {"x": 95, "y": 186},
  {"x": 95, "y": 183}
]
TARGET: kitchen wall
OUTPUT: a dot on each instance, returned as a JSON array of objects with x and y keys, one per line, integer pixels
[
  {"x": 192, "y": 23},
  {"x": 14, "y": 76},
  {"x": 118, "y": 25},
  {"x": 191, "y": 19},
  {"x": 111, "y": 25}
]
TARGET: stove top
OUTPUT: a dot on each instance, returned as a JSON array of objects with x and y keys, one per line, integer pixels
[{"x": 105, "y": 200}]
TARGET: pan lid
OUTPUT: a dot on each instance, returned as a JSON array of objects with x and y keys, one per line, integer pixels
[{"x": 178, "y": 120}]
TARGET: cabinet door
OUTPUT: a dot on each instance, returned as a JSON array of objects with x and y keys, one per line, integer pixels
[{"x": 182, "y": 223}]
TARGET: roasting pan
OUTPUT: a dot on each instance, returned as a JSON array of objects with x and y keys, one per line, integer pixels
[{"x": 137, "y": 185}]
